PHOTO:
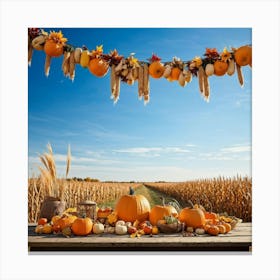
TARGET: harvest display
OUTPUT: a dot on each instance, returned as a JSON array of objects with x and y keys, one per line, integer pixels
[
  {"x": 134, "y": 217},
  {"x": 129, "y": 69}
]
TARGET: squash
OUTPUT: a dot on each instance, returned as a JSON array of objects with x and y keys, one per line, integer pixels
[
  {"x": 133, "y": 207},
  {"x": 209, "y": 69},
  {"x": 47, "y": 228},
  {"x": 192, "y": 217},
  {"x": 65, "y": 221},
  {"x": 120, "y": 229},
  {"x": 98, "y": 228},
  {"x": 82, "y": 226},
  {"x": 112, "y": 218}
]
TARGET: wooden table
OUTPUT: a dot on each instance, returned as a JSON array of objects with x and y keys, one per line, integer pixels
[{"x": 239, "y": 239}]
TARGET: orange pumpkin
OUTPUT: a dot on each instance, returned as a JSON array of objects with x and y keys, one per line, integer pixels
[
  {"x": 174, "y": 75},
  {"x": 98, "y": 67},
  {"x": 213, "y": 230},
  {"x": 54, "y": 44},
  {"x": 82, "y": 226},
  {"x": 65, "y": 221},
  {"x": 156, "y": 69},
  {"x": 210, "y": 215},
  {"x": 42, "y": 221},
  {"x": 243, "y": 56},
  {"x": 158, "y": 212},
  {"x": 192, "y": 217},
  {"x": 130, "y": 208},
  {"x": 220, "y": 68}
]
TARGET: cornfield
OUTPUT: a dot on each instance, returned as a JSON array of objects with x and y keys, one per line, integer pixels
[
  {"x": 230, "y": 195},
  {"x": 73, "y": 192}
]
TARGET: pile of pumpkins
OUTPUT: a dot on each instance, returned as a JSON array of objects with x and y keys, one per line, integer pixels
[{"x": 134, "y": 216}]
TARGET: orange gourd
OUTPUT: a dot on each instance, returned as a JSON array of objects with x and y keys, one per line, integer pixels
[
  {"x": 54, "y": 44},
  {"x": 130, "y": 208},
  {"x": 220, "y": 68},
  {"x": 158, "y": 212},
  {"x": 98, "y": 67},
  {"x": 222, "y": 229},
  {"x": 192, "y": 217},
  {"x": 243, "y": 56},
  {"x": 82, "y": 226},
  {"x": 156, "y": 69},
  {"x": 174, "y": 75},
  {"x": 213, "y": 230},
  {"x": 65, "y": 221},
  {"x": 42, "y": 221}
]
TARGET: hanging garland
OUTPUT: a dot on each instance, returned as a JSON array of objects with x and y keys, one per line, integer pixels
[{"x": 130, "y": 69}]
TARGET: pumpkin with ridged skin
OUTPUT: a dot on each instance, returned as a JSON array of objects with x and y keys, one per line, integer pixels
[
  {"x": 192, "y": 217},
  {"x": 54, "y": 44},
  {"x": 98, "y": 67},
  {"x": 158, "y": 212},
  {"x": 130, "y": 208},
  {"x": 82, "y": 226},
  {"x": 156, "y": 69},
  {"x": 174, "y": 75},
  {"x": 220, "y": 68},
  {"x": 243, "y": 56}
]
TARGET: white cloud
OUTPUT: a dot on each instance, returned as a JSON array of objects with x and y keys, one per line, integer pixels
[
  {"x": 157, "y": 150},
  {"x": 237, "y": 149}
]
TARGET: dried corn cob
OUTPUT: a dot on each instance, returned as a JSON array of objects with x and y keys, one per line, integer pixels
[
  {"x": 72, "y": 66},
  {"x": 140, "y": 82},
  {"x": 240, "y": 75},
  {"x": 47, "y": 65}
]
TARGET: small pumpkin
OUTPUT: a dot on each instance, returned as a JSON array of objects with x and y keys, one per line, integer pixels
[
  {"x": 213, "y": 230},
  {"x": 156, "y": 68},
  {"x": 98, "y": 67},
  {"x": 39, "y": 229},
  {"x": 220, "y": 68},
  {"x": 55, "y": 219},
  {"x": 243, "y": 56},
  {"x": 155, "y": 230},
  {"x": 192, "y": 217},
  {"x": 121, "y": 229},
  {"x": 42, "y": 221},
  {"x": 174, "y": 75},
  {"x": 98, "y": 228},
  {"x": 82, "y": 226},
  {"x": 54, "y": 44},
  {"x": 133, "y": 207}
]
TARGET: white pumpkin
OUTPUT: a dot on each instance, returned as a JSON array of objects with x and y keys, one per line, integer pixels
[
  {"x": 231, "y": 67},
  {"x": 199, "y": 231},
  {"x": 98, "y": 228},
  {"x": 120, "y": 222},
  {"x": 209, "y": 69},
  {"x": 121, "y": 229}
]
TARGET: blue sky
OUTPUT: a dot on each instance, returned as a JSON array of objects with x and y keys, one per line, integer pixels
[{"x": 177, "y": 136}]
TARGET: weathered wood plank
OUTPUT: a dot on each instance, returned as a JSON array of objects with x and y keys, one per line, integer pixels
[{"x": 238, "y": 239}]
